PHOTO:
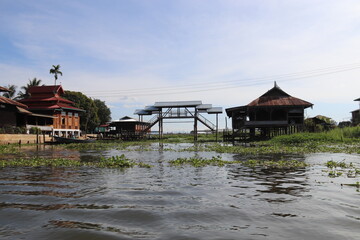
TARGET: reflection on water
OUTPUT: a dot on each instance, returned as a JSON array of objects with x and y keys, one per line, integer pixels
[{"x": 165, "y": 202}]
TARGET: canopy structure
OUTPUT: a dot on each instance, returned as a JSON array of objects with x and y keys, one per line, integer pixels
[{"x": 180, "y": 110}]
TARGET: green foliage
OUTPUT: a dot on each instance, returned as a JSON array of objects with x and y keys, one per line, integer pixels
[
  {"x": 55, "y": 70},
  {"x": 90, "y": 119},
  {"x": 25, "y": 89},
  {"x": 103, "y": 111},
  {"x": 35, "y": 130},
  {"x": 12, "y": 93},
  {"x": 8, "y": 129}
]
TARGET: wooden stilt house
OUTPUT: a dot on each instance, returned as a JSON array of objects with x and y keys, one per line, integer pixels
[
  {"x": 128, "y": 128},
  {"x": 355, "y": 118},
  {"x": 273, "y": 113}
]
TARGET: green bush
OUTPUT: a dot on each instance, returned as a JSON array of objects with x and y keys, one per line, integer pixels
[{"x": 35, "y": 130}]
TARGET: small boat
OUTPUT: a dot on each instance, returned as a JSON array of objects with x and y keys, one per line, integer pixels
[{"x": 72, "y": 140}]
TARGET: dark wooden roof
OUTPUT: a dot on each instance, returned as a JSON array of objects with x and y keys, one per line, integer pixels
[
  {"x": 277, "y": 97},
  {"x": 9, "y": 101},
  {"x": 2, "y": 89}
]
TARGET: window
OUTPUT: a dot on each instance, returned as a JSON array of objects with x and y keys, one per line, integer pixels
[{"x": 63, "y": 113}]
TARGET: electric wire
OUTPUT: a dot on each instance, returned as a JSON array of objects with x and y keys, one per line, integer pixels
[{"x": 213, "y": 86}]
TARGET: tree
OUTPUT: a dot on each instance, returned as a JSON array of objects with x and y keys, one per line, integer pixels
[
  {"x": 103, "y": 111},
  {"x": 25, "y": 93},
  {"x": 12, "y": 92},
  {"x": 55, "y": 70},
  {"x": 89, "y": 120}
]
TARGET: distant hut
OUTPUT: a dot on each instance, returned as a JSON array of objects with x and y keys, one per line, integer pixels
[
  {"x": 128, "y": 128},
  {"x": 273, "y": 113},
  {"x": 355, "y": 119}
]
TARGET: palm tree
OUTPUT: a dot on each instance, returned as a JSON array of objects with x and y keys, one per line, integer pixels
[
  {"x": 25, "y": 93},
  {"x": 12, "y": 92},
  {"x": 56, "y": 70}
]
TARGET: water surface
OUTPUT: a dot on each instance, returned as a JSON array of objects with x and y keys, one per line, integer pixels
[{"x": 167, "y": 202}]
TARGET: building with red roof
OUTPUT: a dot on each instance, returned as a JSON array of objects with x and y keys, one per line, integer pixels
[
  {"x": 274, "y": 112},
  {"x": 12, "y": 113},
  {"x": 47, "y": 100}
]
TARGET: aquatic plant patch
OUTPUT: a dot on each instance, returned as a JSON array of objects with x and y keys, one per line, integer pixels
[
  {"x": 337, "y": 169},
  {"x": 200, "y": 162},
  {"x": 9, "y": 149},
  {"x": 217, "y": 161},
  {"x": 112, "y": 162},
  {"x": 273, "y": 164}
]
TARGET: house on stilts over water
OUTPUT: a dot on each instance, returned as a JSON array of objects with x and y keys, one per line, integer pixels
[{"x": 274, "y": 113}]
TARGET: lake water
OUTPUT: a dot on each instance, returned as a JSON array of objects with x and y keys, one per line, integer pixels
[{"x": 168, "y": 202}]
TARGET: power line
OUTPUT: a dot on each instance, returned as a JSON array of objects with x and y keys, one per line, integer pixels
[{"x": 212, "y": 86}]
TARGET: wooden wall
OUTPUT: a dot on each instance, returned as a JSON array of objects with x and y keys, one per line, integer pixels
[{"x": 66, "y": 121}]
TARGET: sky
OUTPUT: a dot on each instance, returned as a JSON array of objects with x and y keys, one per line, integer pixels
[{"x": 133, "y": 53}]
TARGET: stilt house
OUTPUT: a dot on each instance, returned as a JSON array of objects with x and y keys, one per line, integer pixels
[
  {"x": 356, "y": 115},
  {"x": 273, "y": 113},
  {"x": 128, "y": 128}
]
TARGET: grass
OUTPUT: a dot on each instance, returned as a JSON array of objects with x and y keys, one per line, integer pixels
[
  {"x": 337, "y": 135},
  {"x": 112, "y": 162}
]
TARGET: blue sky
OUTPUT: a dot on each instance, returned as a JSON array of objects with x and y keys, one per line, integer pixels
[{"x": 132, "y": 53}]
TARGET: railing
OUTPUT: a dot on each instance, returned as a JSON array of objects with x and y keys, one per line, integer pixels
[{"x": 206, "y": 122}]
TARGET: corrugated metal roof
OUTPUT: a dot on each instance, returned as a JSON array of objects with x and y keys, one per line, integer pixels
[
  {"x": 151, "y": 108},
  {"x": 177, "y": 104},
  {"x": 215, "y": 110},
  {"x": 2, "y": 89},
  {"x": 142, "y": 112},
  {"x": 11, "y": 102},
  {"x": 204, "y": 106}
]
